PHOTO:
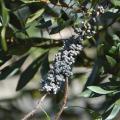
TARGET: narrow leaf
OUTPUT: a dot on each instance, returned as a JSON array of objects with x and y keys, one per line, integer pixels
[
  {"x": 35, "y": 15},
  {"x": 5, "y": 14},
  {"x": 44, "y": 66},
  {"x": 99, "y": 90},
  {"x": 30, "y": 71},
  {"x": 3, "y": 40},
  {"x": 12, "y": 69},
  {"x": 114, "y": 112}
]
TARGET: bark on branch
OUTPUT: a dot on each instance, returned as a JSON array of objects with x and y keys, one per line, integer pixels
[{"x": 64, "y": 100}]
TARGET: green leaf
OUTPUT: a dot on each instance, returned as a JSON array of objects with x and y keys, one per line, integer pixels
[
  {"x": 100, "y": 49},
  {"x": 3, "y": 40},
  {"x": 95, "y": 73},
  {"x": 28, "y": 1},
  {"x": 86, "y": 93},
  {"x": 15, "y": 21},
  {"x": 30, "y": 71},
  {"x": 117, "y": 102},
  {"x": 113, "y": 50},
  {"x": 1, "y": 61},
  {"x": 35, "y": 6},
  {"x": 35, "y": 16},
  {"x": 112, "y": 62},
  {"x": 44, "y": 67},
  {"x": 44, "y": 24},
  {"x": 107, "y": 18},
  {"x": 54, "y": 1},
  {"x": 114, "y": 112},
  {"x": 64, "y": 16},
  {"x": 12, "y": 69},
  {"x": 99, "y": 90},
  {"x": 5, "y": 15},
  {"x": 4, "y": 57},
  {"x": 116, "y": 3},
  {"x": 55, "y": 30}
]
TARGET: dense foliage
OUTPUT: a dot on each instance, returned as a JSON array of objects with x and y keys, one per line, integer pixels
[{"x": 26, "y": 26}]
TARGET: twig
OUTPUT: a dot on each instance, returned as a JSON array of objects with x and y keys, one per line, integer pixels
[
  {"x": 30, "y": 114},
  {"x": 64, "y": 100}
]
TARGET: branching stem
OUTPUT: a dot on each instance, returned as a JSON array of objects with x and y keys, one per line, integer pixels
[
  {"x": 64, "y": 100},
  {"x": 30, "y": 114}
]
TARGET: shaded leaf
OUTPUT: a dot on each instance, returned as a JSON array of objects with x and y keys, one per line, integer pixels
[
  {"x": 44, "y": 24},
  {"x": 12, "y": 69},
  {"x": 4, "y": 57},
  {"x": 54, "y": 1},
  {"x": 15, "y": 21},
  {"x": 95, "y": 73},
  {"x": 64, "y": 16},
  {"x": 30, "y": 71},
  {"x": 35, "y": 6},
  {"x": 107, "y": 18},
  {"x": 44, "y": 66},
  {"x": 13, "y": 4}
]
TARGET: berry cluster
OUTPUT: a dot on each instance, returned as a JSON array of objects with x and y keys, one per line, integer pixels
[
  {"x": 87, "y": 28},
  {"x": 65, "y": 58},
  {"x": 62, "y": 66}
]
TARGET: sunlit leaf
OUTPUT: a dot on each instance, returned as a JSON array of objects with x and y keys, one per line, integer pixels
[
  {"x": 35, "y": 15},
  {"x": 86, "y": 93},
  {"x": 3, "y": 40},
  {"x": 116, "y": 2},
  {"x": 99, "y": 90},
  {"x": 5, "y": 14},
  {"x": 115, "y": 110},
  {"x": 1, "y": 61}
]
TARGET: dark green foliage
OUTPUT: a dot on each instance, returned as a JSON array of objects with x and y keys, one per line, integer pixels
[
  {"x": 30, "y": 71},
  {"x": 44, "y": 66},
  {"x": 12, "y": 69},
  {"x": 22, "y": 26}
]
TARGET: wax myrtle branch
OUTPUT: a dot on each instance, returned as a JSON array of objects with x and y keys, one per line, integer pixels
[{"x": 65, "y": 58}]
